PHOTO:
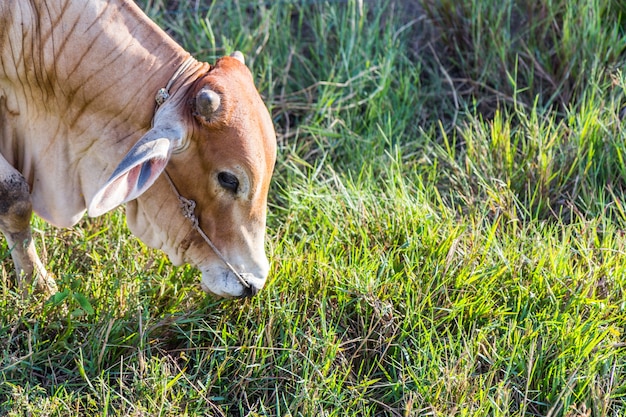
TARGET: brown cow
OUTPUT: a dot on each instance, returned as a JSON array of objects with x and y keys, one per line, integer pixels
[{"x": 80, "y": 130}]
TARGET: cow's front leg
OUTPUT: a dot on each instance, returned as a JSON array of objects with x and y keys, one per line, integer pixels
[{"x": 15, "y": 214}]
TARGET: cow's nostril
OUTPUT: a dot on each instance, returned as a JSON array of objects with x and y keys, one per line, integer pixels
[{"x": 249, "y": 291}]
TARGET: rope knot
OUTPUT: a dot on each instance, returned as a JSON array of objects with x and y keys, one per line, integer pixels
[
  {"x": 161, "y": 96},
  {"x": 188, "y": 207},
  {"x": 164, "y": 93}
]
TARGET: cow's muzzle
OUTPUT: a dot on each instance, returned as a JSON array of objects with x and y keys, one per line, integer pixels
[
  {"x": 188, "y": 206},
  {"x": 223, "y": 283}
]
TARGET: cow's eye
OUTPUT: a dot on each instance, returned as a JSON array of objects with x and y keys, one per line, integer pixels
[{"x": 228, "y": 181}]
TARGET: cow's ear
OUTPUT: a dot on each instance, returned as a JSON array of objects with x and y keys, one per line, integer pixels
[{"x": 141, "y": 166}]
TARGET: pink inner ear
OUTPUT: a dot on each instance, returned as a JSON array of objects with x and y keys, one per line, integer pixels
[
  {"x": 122, "y": 187},
  {"x": 127, "y": 186},
  {"x": 132, "y": 175}
]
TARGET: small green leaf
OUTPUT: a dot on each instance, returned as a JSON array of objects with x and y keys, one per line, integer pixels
[
  {"x": 58, "y": 298},
  {"x": 84, "y": 303}
]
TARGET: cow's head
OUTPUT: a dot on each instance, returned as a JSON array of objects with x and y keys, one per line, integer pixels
[{"x": 216, "y": 141}]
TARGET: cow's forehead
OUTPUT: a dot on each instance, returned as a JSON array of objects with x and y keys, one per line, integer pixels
[
  {"x": 231, "y": 75},
  {"x": 242, "y": 116}
]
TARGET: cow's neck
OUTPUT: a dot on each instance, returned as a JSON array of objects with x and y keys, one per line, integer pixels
[{"x": 84, "y": 90}]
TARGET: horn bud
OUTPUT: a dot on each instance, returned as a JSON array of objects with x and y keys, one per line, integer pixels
[
  {"x": 238, "y": 56},
  {"x": 207, "y": 103}
]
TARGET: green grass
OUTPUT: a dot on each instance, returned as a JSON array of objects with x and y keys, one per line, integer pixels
[{"x": 446, "y": 229}]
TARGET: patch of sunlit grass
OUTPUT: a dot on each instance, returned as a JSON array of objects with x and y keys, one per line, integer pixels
[{"x": 435, "y": 251}]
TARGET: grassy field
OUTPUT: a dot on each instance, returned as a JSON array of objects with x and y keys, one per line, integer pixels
[{"x": 447, "y": 229}]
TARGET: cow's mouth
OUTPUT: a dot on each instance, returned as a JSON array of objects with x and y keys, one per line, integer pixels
[{"x": 223, "y": 283}]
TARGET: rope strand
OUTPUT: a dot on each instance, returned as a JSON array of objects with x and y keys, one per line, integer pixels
[
  {"x": 164, "y": 93},
  {"x": 187, "y": 207}
]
